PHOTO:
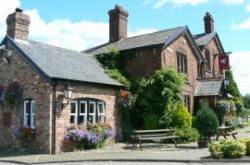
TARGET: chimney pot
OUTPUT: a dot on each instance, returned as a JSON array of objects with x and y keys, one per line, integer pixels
[{"x": 19, "y": 10}]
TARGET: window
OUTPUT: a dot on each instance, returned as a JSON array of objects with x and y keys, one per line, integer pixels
[
  {"x": 83, "y": 108},
  {"x": 29, "y": 114},
  {"x": 182, "y": 63},
  {"x": 208, "y": 62},
  {"x": 101, "y": 112},
  {"x": 87, "y": 110},
  {"x": 187, "y": 102},
  {"x": 73, "y": 112}
]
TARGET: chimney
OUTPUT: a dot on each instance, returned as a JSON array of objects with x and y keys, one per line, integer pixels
[
  {"x": 117, "y": 23},
  {"x": 209, "y": 23},
  {"x": 18, "y": 25}
]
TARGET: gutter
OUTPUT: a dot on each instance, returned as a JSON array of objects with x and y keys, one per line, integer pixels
[{"x": 53, "y": 118}]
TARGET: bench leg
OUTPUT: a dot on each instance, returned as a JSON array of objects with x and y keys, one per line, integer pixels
[
  {"x": 225, "y": 137},
  {"x": 175, "y": 143},
  {"x": 140, "y": 145},
  {"x": 234, "y": 136}
]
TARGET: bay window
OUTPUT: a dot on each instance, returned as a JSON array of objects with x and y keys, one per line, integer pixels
[{"x": 85, "y": 111}]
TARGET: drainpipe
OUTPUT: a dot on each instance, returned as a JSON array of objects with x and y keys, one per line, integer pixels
[{"x": 54, "y": 118}]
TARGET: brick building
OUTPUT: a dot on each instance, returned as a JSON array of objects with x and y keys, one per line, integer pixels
[
  {"x": 62, "y": 87},
  {"x": 195, "y": 55},
  {"x": 47, "y": 74}
]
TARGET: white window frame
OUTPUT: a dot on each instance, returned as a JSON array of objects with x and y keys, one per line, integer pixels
[
  {"x": 32, "y": 113},
  {"x": 102, "y": 115},
  {"x": 93, "y": 115},
  {"x": 85, "y": 114},
  {"x": 76, "y": 112}
]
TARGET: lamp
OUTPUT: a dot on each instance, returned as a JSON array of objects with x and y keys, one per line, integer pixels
[{"x": 68, "y": 90}]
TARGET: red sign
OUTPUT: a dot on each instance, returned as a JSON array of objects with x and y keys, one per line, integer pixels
[{"x": 224, "y": 62}]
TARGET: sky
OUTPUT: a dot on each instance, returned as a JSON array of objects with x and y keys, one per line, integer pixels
[{"x": 82, "y": 24}]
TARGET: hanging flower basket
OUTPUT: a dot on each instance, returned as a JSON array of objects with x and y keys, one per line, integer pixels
[
  {"x": 13, "y": 95},
  {"x": 1, "y": 94}
]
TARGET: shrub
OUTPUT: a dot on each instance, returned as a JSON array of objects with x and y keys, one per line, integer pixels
[
  {"x": 187, "y": 135},
  {"x": 151, "y": 121},
  {"x": 233, "y": 149},
  {"x": 181, "y": 118},
  {"x": 222, "y": 107},
  {"x": 246, "y": 141},
  {"x": 215, "y": 149},
  {"x": 227, "y": 149},
  {"x": 193, "y": 122},
  {"x": 161, "y": 94},
  {"x": 206, "y": 122}
]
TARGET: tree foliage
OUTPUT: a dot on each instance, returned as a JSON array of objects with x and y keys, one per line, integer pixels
[
  {"x": 232, "y": 87},
  {"x": 160, "y": 95}
]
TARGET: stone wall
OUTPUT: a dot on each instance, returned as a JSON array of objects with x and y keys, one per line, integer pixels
[{"x": 34, "y": 87}]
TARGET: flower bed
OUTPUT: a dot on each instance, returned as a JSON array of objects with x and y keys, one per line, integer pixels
[{"x": 95, "y": 136}]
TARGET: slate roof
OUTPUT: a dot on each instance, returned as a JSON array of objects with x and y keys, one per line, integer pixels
[
  {"x": 60, "y": 63},
  {"x": 208, "y": 88},
  {"x": 151, "y": 39},
  {"x": 204, "y": 38}
]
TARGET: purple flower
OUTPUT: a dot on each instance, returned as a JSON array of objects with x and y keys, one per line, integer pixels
[
  {"x": 81, "y": 134},
  {"x": 94, "y": 138},
  {"x": 108, "y": 133}
]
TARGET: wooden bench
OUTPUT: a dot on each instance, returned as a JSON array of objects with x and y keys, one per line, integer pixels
[
  {"x": 226, "y": 131},
  {"x": 139, "y": 136}
]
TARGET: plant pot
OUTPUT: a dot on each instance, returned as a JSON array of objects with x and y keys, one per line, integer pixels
[{"x": 203, "y": 143}]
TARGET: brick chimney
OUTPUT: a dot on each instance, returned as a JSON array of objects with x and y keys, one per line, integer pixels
[
  {"x": 18, "y": 25},
  {"x": 208, "y": 23},
  {"x": 117, "y": 23}
]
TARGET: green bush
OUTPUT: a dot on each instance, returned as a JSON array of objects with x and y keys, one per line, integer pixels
[
  {"x": 181, "y": 118},
  {"x": 193, "y": 122},
  {"x": 215, "y": 149},
  {"x": 160, "y": 95},
  {"x": 206, "y": 121},
  {"x": 187, "y": 135},
  {"x": 233, "y": 149},
  {"x": 227, "y": 149},
  {"x": 246, "y": 141},
  {"x": 151, "y": 121}
]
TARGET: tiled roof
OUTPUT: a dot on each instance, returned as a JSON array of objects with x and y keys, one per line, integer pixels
[
  {"x": 151, "y": 39},
  {"x": 208, "y": 88},
  {"x": 60, "y": 63},
  {"x": 204, "y": 38}
]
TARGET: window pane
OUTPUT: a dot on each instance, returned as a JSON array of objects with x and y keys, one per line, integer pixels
[
  {"x": 72, "y": 119},
  {"x": 73, "y": 108},
  {"x": 80, "y": 119},
  {"x": 83, "y": 109},
  {"x": 91, "y": 108},
  {"x": 100, "y": 108}
]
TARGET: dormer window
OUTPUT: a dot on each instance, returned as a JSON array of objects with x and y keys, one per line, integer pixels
[{"x": 208, "y": 61}]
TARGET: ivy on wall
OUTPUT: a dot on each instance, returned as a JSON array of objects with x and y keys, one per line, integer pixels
[{"x": 13, "y": 95}]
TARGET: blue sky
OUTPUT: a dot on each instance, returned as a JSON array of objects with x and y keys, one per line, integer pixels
[{"x": 79, "y": 24}]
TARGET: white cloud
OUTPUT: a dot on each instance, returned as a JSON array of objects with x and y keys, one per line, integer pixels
[
  {"x": 248, "y": 7},
  {"x": 243, "y": 25},
  {"x": 78, "y": 35},
  {"x": 160, "y": 3},
  {"x": 240, "y": 62},
  {"x": 7, "y": 6},
  {"x": 233, "y": 2}
]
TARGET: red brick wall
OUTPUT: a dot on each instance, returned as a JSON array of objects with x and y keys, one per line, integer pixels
[{"x": 145, "y": 62}]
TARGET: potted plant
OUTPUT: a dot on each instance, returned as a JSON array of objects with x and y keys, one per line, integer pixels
[{"x": 207, "y": 124}]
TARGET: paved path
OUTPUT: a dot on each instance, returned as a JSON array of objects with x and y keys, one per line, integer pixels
[{"x": 185, "y": 153}]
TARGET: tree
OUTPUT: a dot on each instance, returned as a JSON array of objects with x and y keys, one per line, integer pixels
[
  {"x": 232, "y": 87},
  {"x": 160, "y": 95},
  {"x": 246, "y": 100}
]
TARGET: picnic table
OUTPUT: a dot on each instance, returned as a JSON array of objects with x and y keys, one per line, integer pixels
[
  {"x": 226, "y": 131},
  {"x": 139, "y": 136}
]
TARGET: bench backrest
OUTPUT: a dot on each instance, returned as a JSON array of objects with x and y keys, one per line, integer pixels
[{"x": 154, "y": 133}]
